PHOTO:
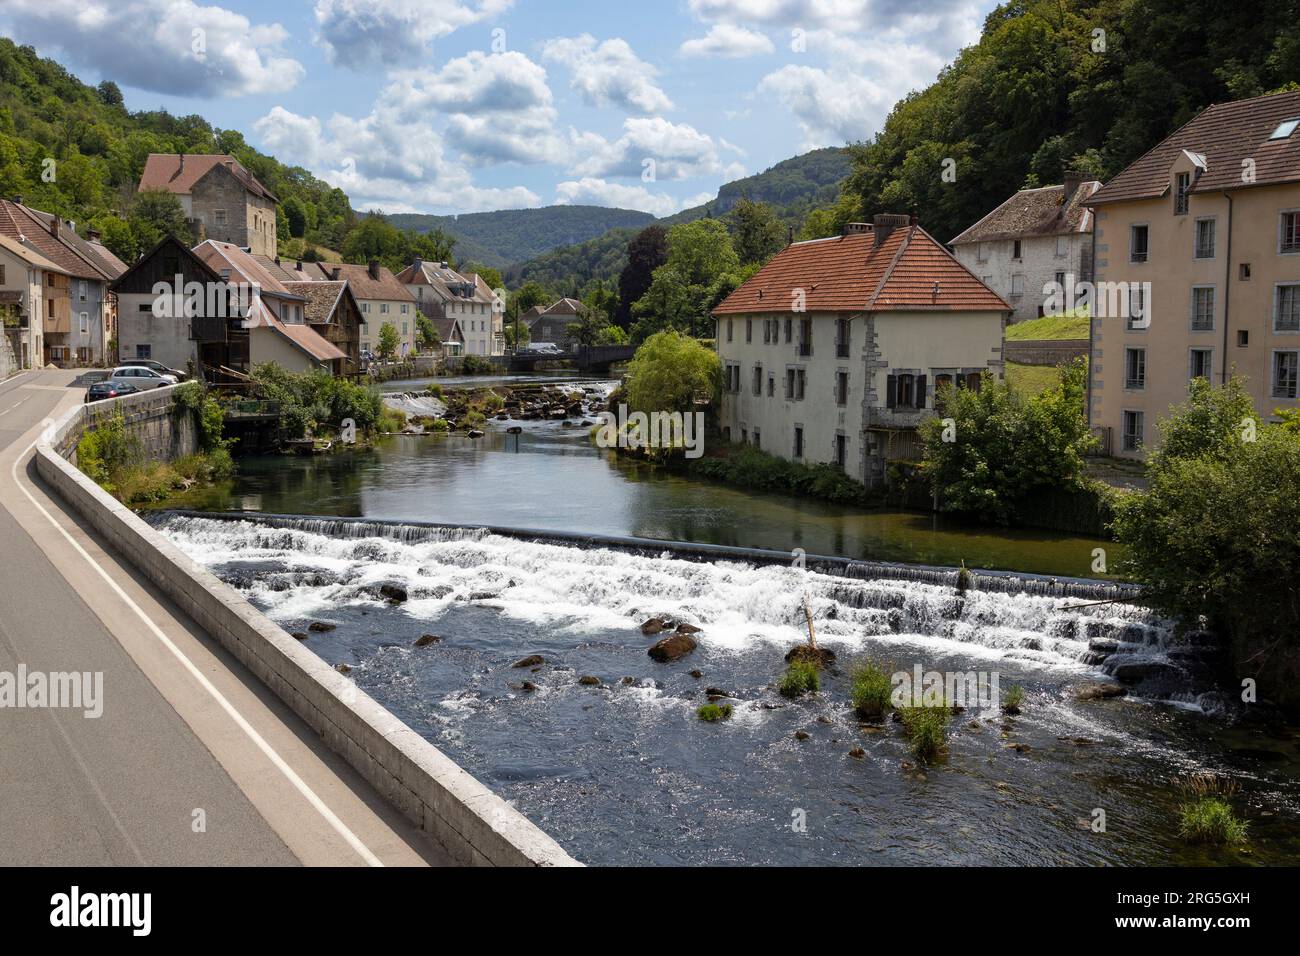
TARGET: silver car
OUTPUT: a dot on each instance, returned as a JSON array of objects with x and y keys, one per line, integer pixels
[{"x": 142, "y": 378}]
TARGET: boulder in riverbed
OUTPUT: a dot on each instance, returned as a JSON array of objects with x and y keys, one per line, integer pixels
[
  {"x": 321, "y": 627},
  {"x": 533, "y": 660},
  {"x": 424, "y": 640},
  {"x": 393, "y": 592},
  {"x": 806, "y": 652},
  {"x": 589, "y": 681},
  {"x": 1099, "y": 691},
  {"x": 672, "y": 648}
]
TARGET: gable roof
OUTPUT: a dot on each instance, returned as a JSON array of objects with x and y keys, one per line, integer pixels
[
  {"x": 29, "y": 255},
  {"x": 243, "y": 265},
  {"x": 1221, "y": 137},
  {"x": 445, "y": 281},
  {"x": 178, "y": 173},
  {"x": 300, "y": 336},
  {"x": 908, "y": 271},
  {"x": 1045, "y": 211},
  {"x": 181, "y": 250},
  {"x": 565, "y": 306},
  {"x": 31, "y": 228},
  {"x": 364, "y": 286},
  {"x": 323, "y": 298}
]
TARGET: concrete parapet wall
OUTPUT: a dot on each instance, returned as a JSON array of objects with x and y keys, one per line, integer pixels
[
  {"x": 474, "y": 825},
  {"x": 1044, "y": 351}
]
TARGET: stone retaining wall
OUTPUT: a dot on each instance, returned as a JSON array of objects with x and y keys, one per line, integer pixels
[{"x": 1044, "y": 351}]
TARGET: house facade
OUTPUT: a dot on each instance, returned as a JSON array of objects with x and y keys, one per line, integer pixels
[
  {"x": 834, "y": 351},
  {"x": 77, "y": 323},
  {"x": 222, "y": 200},
  {"x": 23, "y": 283},
  {"x": 555, "y": 324},
  {"x": 1204, "y": 232},
  {"x": 442, "y": 292},
  {"x": 1037, "y": 237}
]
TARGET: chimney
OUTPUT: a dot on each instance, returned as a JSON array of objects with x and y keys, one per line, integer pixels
[
  {"x": 373, "y": 268},
  {"x": 299, "y": 265},
  {"x": 856, "y": 228},
  {"x": 416, "y": 264},
  {"x": 334, "y": 274},
  {"x": 182, "y": 166},
  {"x": 18, "y": 199},
  {"x": 55, "y": 225},
  {"x": 93, "y": 234},
  {"x": 884, "y": 223},
  {"x": 1073, "y": 180}
]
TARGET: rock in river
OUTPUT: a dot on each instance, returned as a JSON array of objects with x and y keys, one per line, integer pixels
[
  {"x": 424, "y": 640},
  {"x": 1099, "y": 691},
  {"x": 533, "y": 660},
  {"x": 394, "y": 592},
  {"x": 673, "y": 647},
  {"x": 321, "y": 627}
]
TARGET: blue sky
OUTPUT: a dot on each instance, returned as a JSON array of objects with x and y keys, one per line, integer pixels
[{"x": 467, "y": 105}]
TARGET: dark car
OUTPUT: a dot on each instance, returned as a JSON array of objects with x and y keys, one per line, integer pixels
[{"x": 100, "y": 391}]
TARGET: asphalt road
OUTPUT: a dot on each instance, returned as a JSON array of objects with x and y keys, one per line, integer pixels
[{"x": 193, "y": 761}]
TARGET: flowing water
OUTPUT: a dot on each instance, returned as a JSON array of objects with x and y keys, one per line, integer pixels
[{"x": 624, "y": 772}]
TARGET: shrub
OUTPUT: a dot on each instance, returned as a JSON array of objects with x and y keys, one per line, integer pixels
[
  {"x": 713, "y": 712},
  {"x": 107, "y": 449},
  {"x": 1208, "y": 817},
  {"x": 672, "y": 372},
  {"x": 476, "y": 365},
  {"x": 750, "y": 467},
  {"x": 800, "y": 677},
  {"x": 870, "y": 691},
  {"x": 926, "y": 729},
  {"x": 314, "y": 402}
]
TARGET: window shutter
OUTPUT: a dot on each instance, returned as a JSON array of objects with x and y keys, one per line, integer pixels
[
  {"x": 920, "y": 391},
  {"x": 891, "y": 391}
]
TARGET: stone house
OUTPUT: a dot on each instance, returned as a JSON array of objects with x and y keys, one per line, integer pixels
[
  {"x": 1036, "y": 237},
  {"x": 222, "y": 200},
  {"x": 836, "y": 350},
  {"x": 555, "y": 323}
]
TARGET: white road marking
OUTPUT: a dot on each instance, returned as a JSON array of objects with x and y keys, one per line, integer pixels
[
  {"x": 299, "y": 784},
  {"x": 13, "y": 406}
]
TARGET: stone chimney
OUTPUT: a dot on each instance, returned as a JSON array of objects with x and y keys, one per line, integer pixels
[
  {"x": 56, "y": 224},
  {"x": 1073, "y": 180},
  {"x": 93, "y": 234},
  {"x": 373, "y": 268},
  {"x": 334, "y": 274},
  {"x": 416, "y": 265},
  {"x": 298, "y": 266},
  {"x": 884, "y": 223},
  {"x": 856, "y": 228}
]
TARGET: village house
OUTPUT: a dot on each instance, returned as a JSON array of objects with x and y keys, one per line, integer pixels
[
  {"x": 1038, "y": 236},
  {"x": 836, "y": 349},
  {"x": 77, "y": 323},
  {"x": 380, "y": 296},
  {"x": 1203, "y": 233},
  {"x": 554, "y": 324},
  {"x": 443, "y": 293},
  {"x": 23, "y": 282},
  {"x": 222, "y": 200}
]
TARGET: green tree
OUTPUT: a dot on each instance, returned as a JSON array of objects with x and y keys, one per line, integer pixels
[
  {"x": 684, "y": 288},
  {"x": 295, "y": 212},
  {"x": 755, "y": 232},
  {"x": 388, "y": 341},
  {"x": 155, "y": 214},
  {"x": 646, "y": 252},
  {"x": 672, "y": 372},
  {"x": 427, "y": 334},
  {"x": 989, "y": 449}
]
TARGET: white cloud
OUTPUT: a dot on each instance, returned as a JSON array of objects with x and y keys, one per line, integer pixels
[
  {"x": 165, "y": 46},
  {"x": 728, "y": 40},
  {"x": 598, "y": 192},
  {"x": 679, "y": 151},
  {"x": 609, "y": 73},
  {"x": 831, "y": 109},
  {"x": 363, "y": 34}
]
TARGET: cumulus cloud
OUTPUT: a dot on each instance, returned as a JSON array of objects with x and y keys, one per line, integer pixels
[
  {"x": 608, "y": 73},
  {"x": 831, "y": 109},
  {"x": 677, "y": 151},
  {"x": 165, "y": 46},
  {"x": 598, "y": 192},
  {"x": 362, "y": 34},
  {"x": 728, "y": 40}
]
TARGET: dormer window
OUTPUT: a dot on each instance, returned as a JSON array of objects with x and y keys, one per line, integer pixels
[
  {"x": 1182, "y": 186},
  {"x": 1285, "y": 128}
]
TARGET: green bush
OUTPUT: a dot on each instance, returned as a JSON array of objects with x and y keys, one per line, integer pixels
[
  {"x": 105, "y": 451},
  {"x": 1013, "y": 698},
  {"x": 749, "y": 467},
  {"x": 926, "y": 729},
  {"x": 871, "y": 689},
  {"x": 316, "y": 403},
  {"x": 476, "y": 365},
  {"x": 713, "y": 712},
  {"x": 672, "y": 372},
  {"x": 1210, "y": 820},
  {"x": 800, "y": 677}
]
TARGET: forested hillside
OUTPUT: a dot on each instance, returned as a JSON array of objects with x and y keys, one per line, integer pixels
[{"x": 507, "y": 236}]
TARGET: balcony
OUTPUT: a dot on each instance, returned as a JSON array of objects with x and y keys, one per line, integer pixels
[{"x": 896, "y": 418}]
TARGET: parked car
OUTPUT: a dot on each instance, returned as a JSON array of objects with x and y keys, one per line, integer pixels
[
  {"x": 99, "y": 391},
  {"x": 158, "y": 367},
  {"x": 142, "y": 378}
]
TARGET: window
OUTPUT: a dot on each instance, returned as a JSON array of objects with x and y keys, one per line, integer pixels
[
  {"x": 749, "y": 331},
  {"x": 1132, "y": 431},
  {"x": 906, "y": 391},
  {"x": 1202, "y": 308},
  {"x": 974, "y": 381},
  {"x": 1135, "y": 369},
  {"x": 729, "y": 323},
  {"x": 767, "y": 332},
  {"x": 383, "y": 308},
  {"x": 841, "y": 388},
  {"x": 771, "y": 385},
  {"x": 1285, "y": 365},
  {"x": 219, "y": 217},
  {"x": 2, "y": 273},
  {"x": 1138, "y": 239},
  {"x": 1137, "y": 307},
  {"x": 1204, "y": 239},
  {"x": 1286, "y": 309},
  {"x": 85, "y": 323},
  {"x": 1017, "y": 284},
  {"x": 1243, "y": 271},
  {"x": 1289, "y": 232},
  {"x": 805, "y": 337},
  {"x": 1015, "y": 249},
  {"x": 758, "y": 440},
  {"x": 1062, "y": 246},
  {"x": 841, "y": 338},
  {"x": 798, "y": 441},
  {"x": 733, "y": 378},
  {"x": 982, "y": 252},
  {"x": 1201, "y": 365},
  {"x": 1285, "y": 128},
  {"x": 744, "y": 435},
  {"x": 800, "y": 382},
  {"x": 81, "y": 290},
  {"x": 841, "y": 450},
  {"x": 789, "y": 331},
  {"x": 1182, "y": 186},
  {"x": 758, "y": 380},
  {"x": 146, "y": 352},
  {"x": 406, "y": 309},
  {"x": 1243, "y": 338},
  {"x": 365, "y": 306}
]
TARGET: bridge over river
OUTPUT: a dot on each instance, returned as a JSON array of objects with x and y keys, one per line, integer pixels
[{"x": 586, "y": 358}]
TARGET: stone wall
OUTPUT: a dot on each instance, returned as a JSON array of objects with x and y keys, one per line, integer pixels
[
  {"x": 1045, "y": 351},
  {"x": 165, "y": 431}
]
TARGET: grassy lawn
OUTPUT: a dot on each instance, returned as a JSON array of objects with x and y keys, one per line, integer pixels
[
  {"x": 1032, "y": 379},
  {"x": 1049, "y": 327}
]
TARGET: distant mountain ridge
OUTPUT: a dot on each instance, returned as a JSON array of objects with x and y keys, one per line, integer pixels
[{"x": 505, "y": 236}]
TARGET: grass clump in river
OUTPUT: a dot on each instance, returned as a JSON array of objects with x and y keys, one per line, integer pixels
[
  {"x": 800, "y": 677},
  {"x": 870, "y": 691},
  {"x": 1012, "y": 699},
  {"x": 926, "y": 729},
  {"x": 1207, "y": 816},
  {"x": 709, "y": 713}
]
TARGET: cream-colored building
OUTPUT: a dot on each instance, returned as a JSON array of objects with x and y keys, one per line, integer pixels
[
  {"x": 1205, "y": 231},
  {"x": 834, "y": 351},
  {"x": 443, "y": 293}
]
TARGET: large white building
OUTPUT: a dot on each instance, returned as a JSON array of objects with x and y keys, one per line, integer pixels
[
  {"x": 1036, "y": 237},
  {"x": 443, "y": 293},
  {"x": 834, "y": 351}
]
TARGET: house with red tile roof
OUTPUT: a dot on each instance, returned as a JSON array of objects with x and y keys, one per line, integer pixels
[
  {"x": 443, "y": 293},
  {"x": 836, "y": 350},
  {"x": 381, "y": 297},
  {"x": 222, "y": 200},
  {"x": 1201, "y": 236}
]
